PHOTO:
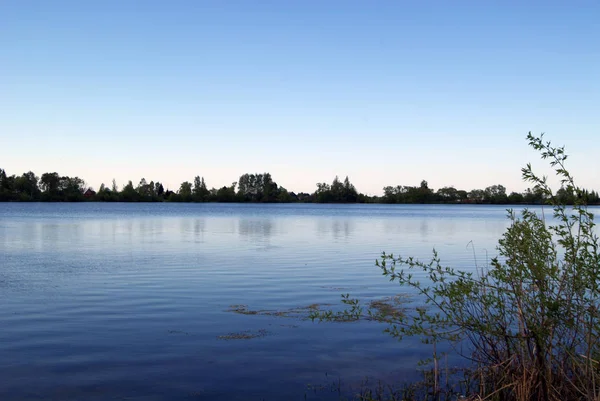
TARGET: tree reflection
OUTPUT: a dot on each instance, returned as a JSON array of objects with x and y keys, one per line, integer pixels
[
  {"x": 337, "y": 228},
  {"x": 258, "y": 230}
]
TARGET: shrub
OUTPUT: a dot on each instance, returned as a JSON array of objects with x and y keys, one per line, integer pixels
[{"x": 529, "y": 321}]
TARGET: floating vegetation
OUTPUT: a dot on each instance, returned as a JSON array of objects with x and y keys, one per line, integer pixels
[
  {"x": 298, "y": 312},
  {"x": 244, "y": 335},
  {"x": 390, "y": 307},
  {"x": 386, "y": 310},
  {"x": 329, "y": 287},
  {"x": 179, "y": 332},
  {"x": 242, "y": 309},
  {"x": 382, "y": 309},
  {"x": 353, "y": 288}
]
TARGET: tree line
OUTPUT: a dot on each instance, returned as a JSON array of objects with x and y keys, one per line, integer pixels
[{"x": 52, "y": 187}]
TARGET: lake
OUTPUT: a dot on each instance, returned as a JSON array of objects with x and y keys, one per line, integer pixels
[{"x": 142, "y": 301}]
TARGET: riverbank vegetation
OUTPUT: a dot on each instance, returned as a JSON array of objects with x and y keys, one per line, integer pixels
[
  {"x": 528, "y": 323},
  {"x": 52, "y": 187}
]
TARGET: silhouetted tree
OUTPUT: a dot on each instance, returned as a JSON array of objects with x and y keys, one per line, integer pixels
[
  {"x": 185, "y": 191},
  {"x": 200, "y": 192},
  {"x": 129, "y": 194}
]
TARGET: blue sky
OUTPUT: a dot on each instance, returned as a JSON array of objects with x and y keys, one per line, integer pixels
[{"x": 385, "y": 92}]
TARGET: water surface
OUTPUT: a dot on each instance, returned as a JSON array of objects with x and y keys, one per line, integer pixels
[{"x": 130, "y": 301}]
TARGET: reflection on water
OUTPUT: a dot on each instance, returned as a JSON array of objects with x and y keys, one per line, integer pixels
[
  {"x": 342, "y": 228},
  {"x": 336, "y": 228},
  {"x": 259, "y": 230},
  {"x": 124, "y": 301},
  {"x": 424, "y": 228},
  {"x": 199, "y": 228}
]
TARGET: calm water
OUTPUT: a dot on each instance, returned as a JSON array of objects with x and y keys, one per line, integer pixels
[{"x": 130, "y": 301}]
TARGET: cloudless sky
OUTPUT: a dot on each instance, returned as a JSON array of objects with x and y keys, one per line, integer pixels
[{"x": 386, "y": 92}]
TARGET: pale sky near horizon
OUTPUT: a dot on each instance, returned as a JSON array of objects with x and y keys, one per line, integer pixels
[{"x": 386, "y": 92}]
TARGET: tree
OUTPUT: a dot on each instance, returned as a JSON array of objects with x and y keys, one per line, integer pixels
[
  {"x": 106, "y": 195},
  {"x": 200, "y": 192},
  {"x": 495, "y": 194},
  {"x": 257, "y": 188},
  {"x": 336, "y": 192},
  {"x": 283, "y": 195},
  {"x": 447, "y": 194},
  {"x": 185, "y": 191},
  {"x": 152, "y": 190},
  {"x": 535, "y": 196},
  {"x": 462, "y": 195},
  {"x": 129, "y": 194},
  {"x": 159, "y": 189},
  {"x": 420, "y": 194},
  {"x": 49, "y": 184},
  {"x": 323, "y": 193},
  {"x": 269, "y": 188},
  {"x": 145, "y": 190},
  {"x": 389, "y": 195},
  {"x": 3, "y": 181},
  {"x": 565, "y": 197},
  {"x": 71, "y": 188},
  {"x": 225, "y": 194},
  {"x": 27, "y": 185},
  {"x": 515, "y": 197},
  {"x": 350, "y": 193},
  {"x": 5, "y": 192},
  {"x": 476, "y": 196}
]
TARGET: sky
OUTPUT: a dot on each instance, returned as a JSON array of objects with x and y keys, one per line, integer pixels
[{"x": 385, "y": 92}]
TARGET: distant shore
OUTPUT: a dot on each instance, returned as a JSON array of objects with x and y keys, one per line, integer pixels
[{"x": 259, "y": 188}]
